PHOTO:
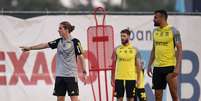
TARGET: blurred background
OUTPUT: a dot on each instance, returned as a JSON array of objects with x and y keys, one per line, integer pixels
[{"x": 110, "y": 5}]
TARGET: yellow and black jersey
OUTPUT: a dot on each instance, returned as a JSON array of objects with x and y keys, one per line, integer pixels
[
  {"x": 125, "y": 62},
  {"x": 164, "y": 40}
]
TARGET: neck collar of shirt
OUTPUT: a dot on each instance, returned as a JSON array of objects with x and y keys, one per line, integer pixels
[
  {"x": 69, "y": 38},
  {"x": 129, "y": 44},
  {"x": 166, "y": 27}
]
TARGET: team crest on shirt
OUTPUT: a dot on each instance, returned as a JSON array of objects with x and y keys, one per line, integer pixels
[
  {"x": 157, "y": 33},
  {"x": 68, "y": 45},
  {"x": 166, "y": 33},
  {"x": 161, "y": 34},
  {"x": 130, "y": 51}
]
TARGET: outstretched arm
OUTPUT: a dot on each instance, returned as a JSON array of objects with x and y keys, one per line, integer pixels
[
  {"x": 51, "y": 44},
  {"x": 35, "y": 47}
]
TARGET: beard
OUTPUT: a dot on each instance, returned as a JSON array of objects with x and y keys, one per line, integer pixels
[
  {"x": 156, "y": 24},
  {"x": 124, "y": 41}
]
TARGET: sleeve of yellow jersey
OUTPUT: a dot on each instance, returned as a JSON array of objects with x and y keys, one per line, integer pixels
[{"x": 177, "y": 36}]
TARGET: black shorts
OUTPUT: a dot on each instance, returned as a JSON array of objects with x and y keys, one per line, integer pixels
[
  {"x": 121, "y": 85},
  {"x": 63, "y": 84},
  {"x": 140, "y": 94},
  {"x": 159, "y": 76}
]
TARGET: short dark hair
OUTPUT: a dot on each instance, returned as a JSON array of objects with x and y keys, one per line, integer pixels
[
  {"x": 162, "y": 12},
  {"x": 68, "y": 26},
  {"x": 127, "y": 31}
]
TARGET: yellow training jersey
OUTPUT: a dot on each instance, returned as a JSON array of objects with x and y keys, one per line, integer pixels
[
  {"x": 125, "y": 63},
  {"x": 164, "y": 46}
]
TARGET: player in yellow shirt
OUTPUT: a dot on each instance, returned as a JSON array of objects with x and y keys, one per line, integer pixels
[
  {"x": 166, "y": 56},
  {"x": 140, "y": 90},
  {"x": 126, "y": 68}
]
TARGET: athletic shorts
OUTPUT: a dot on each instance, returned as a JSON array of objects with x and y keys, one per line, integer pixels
[
  {"x": 63, "y": 84},
  {"x": 159, "y": 76},
  {"x": 140, "y": 94},
  {"x": 122, "y": 85}
]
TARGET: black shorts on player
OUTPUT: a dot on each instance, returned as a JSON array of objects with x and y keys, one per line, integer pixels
[
  {"x": 159, "y": 76},
  {"x": 122, "y": 85},
  {"x": 63, "y": 84}
]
